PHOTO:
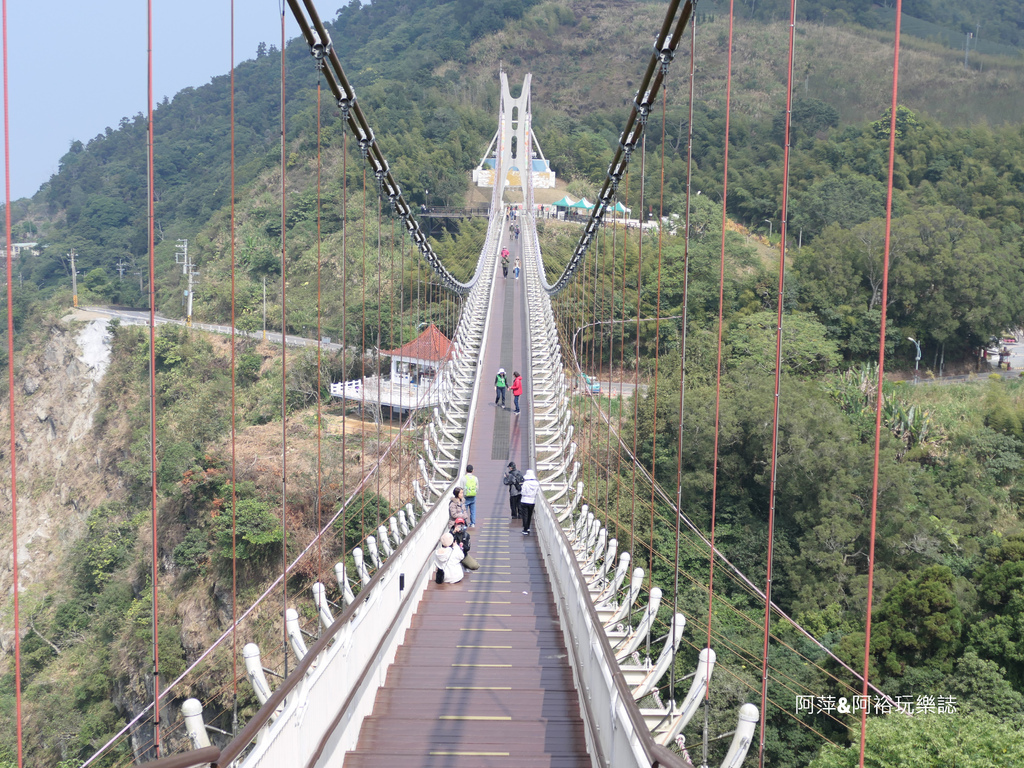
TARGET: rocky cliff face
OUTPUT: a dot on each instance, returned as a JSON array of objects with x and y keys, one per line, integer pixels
[{"x": 60, "y": 467}]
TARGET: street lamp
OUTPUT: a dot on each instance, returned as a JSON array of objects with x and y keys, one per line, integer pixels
[
  {"x": 769, "y": 229},
  {"x": 917, "y": 359}
]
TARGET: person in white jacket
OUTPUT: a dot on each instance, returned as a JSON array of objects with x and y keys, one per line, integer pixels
[
  {"x": 448, "y": 558},
  {"x": 528, "y": 499}
]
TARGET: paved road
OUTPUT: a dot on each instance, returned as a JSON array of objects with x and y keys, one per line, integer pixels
[{"x": 137, "y": 317}]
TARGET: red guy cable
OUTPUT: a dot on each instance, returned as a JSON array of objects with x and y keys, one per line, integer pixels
[
  {"x": 778, "y": 376},
  {"x": 718, "y": 369},
  {"x": 881, "y": 373},
  {"x": 152, "y": 381},
  {"x": 10, "y": 393}
]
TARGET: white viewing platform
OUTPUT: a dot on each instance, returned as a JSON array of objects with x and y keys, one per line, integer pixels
[{"x": 414, "y": 375}]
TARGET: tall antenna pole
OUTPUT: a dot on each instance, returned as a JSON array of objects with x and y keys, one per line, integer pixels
[{"x": 74, "y": 280}]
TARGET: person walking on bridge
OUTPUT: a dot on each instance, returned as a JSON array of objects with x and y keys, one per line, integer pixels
[
  {"x": 504, "y": 262},
  {"x": 500, "y": 383},
  {"x": 528, "y": 500}
]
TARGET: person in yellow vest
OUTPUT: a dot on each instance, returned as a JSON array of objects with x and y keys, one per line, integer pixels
[{"x": 471, "y": 483}]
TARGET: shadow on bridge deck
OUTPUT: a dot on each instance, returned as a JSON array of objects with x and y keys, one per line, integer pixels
[{"x": 483, "y": 677}]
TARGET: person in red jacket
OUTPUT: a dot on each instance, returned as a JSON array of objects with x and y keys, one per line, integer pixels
[{"x": 517, "y": 388}]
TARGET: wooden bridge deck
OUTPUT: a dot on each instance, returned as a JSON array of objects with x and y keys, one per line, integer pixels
[{"x": 483, "y": 677}]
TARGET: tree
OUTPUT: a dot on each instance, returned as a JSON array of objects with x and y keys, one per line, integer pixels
[
  {"x": 806, "y": 347},
  {"x": 968, "y": 739},
  {"x": 919, "y": 623}
]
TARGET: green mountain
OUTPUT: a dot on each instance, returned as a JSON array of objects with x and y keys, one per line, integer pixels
[{"x": 426, "y": 75}]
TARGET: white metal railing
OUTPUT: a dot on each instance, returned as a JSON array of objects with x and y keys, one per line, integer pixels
[{"x": 611, "y": 678}]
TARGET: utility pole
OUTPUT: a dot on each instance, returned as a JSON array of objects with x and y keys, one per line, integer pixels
[
  {"x": 187, "y": 268},
  {"x": 74, "y": 280},
  {"x": 967, "y": 46},
  {"x": 120, "y": 269},
  {"x": 264, "y": 307}
]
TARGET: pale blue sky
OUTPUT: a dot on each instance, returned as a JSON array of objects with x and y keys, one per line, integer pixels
[{"x": 76, "y": 67}]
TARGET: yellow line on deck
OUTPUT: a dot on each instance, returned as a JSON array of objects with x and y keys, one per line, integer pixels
[
  {"x": 478, "y": 687},
  {"x": 481, "y": 665},
  {"x": 509, "y": 647},
  {"x": 474, "y": 717},
  {"x": 482, "y": 629},
  {"x": 496, "y": 591},
  {"x": 489, "y": 602},
  {"x": 491, "y": 615},
  {"x": 471, "y": 754}
]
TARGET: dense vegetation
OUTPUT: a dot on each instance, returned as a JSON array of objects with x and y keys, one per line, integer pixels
[{"x": 950, "y": 553}]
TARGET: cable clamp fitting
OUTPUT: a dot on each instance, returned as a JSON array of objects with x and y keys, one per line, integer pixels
[
  {"x": 345, "y": 105},
  {"x": 665, "y": 56},
  {"x": 643, "y": 110}
]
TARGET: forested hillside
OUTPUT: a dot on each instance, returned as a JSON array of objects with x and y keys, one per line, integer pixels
[{"x": 950, "y": 555}]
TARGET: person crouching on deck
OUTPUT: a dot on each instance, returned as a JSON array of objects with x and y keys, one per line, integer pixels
[{"x": 448, "y": 560}]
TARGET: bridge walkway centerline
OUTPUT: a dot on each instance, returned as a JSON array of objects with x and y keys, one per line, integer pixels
[{"x": 483, "y": 677}]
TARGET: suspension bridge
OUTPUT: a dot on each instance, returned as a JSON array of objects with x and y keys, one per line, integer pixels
[{"x": 562, "y": 650}]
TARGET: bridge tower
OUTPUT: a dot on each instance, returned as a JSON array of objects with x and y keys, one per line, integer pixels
[{"x": 513, "y": 147}]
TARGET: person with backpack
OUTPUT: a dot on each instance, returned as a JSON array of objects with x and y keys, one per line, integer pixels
[
  {"x": 500, "y": 383},
  {"x": 513, "y": 478},
  {"x": 504, "y": 262},
  {"x": 515, "y": 270},
  {"x": 528, "y": 500},
  {"x": 471, "y": 483},
  {"x": 517, "y": 389}
]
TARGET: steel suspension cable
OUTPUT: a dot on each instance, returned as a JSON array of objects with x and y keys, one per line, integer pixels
[
  {"x": 10, "y": 407},
  {"x": 718, "y": 369},
  {"x": 234, "y": 427},
  {"x": 894, "y": 110},
  {"x": 657, "y": 68},
  {"x": 284, "y": 362},
  {"x": 152, "y": 375},
  {"x": 778, "y": 378},
  {"x": 682, "y": 362}
]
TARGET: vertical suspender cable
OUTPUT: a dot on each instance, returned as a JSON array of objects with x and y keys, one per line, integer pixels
[
  {"x": 718, "y": 369},
  {"x": 284, "y": 370},
  {"x": 657, "y": 334},
  {"x": 636, "y": 370},
  {"x": 622, "y": 337},
  {"x": 344, "y": 331},
  {"x": 401, "y": 316},
  {"x": 152, "y": 373},
  {"x": 379, "y": 418},
  {"x": 319, "y": 342},
  {"x": 234, "y": 478},
  {"x": 881, "y": 373},
  {"x": 10, "y": 398},
  {"x": 362, "y": 367},
  {"x": 778, "y": 376},
  {"x": 611, "y": 358},
  {"x": 682, "y": 362}
]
